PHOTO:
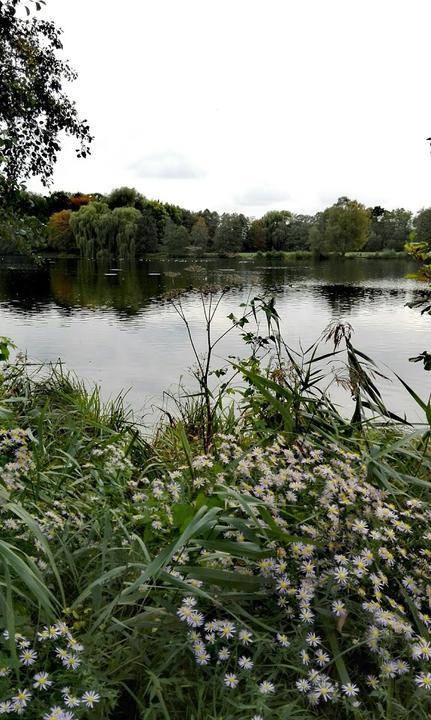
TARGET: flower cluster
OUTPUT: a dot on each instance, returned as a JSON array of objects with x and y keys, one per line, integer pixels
[
  {"x": 153, "y": 500},
  {"x": 50, "y": 681},
  {"x": 352, "y": 577},
  {"x": 219, "y": 640},
  {"x": 113, "y": 458},
  {"x": 15, "y": 457}
]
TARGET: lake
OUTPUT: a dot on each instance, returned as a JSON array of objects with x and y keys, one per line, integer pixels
[{"x": 112, "y": 325}]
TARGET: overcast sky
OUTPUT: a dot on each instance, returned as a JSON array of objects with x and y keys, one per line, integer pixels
[{"x": 249, "y": 105}]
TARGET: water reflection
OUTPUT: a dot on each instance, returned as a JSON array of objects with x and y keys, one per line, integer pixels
[
  {"x": 128, "y": 289},
  {"x": 112, "y": 324}
]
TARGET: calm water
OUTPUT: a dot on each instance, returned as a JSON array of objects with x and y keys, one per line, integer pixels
[{"x": 112, "y": 326}]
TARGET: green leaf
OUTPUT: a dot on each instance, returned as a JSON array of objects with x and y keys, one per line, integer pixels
[
  {"x": 223, "y": 578},
  {"x": 182, "y": 513}
]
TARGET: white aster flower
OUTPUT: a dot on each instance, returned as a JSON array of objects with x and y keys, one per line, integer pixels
[
  {"x": 28, "y": 657},
  {"x": 90, "y": 697},
  {"x": 231, "y": 680},
  {"x": 303, "y": 685},
  {"x": 350, "y": 689},
  {"x": 423, "y": 680},
  {"x": 42, "y": 681},
  {"x": 245, "y": 663},
  {"x": 266, "y": 687},
  {"x": 245, "y": 637}
]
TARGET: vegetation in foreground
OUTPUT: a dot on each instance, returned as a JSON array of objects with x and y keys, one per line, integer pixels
[{"x": 268, "y": 562}]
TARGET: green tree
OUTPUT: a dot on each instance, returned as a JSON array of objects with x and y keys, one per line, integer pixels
[
  {"x": 34, "y": 110},
  {"x": 124, "y": 197},
  {"x": 24, "y": 235},
  {"x": 126, "y": 220},
  {"x": 257, "y": 236},
  {"x": 422, "y": 226},
  {"x": 389, "y": 229},
  {"x": 180, "y": 215},
  {"x": 176, "y": 239},
  {"x": 212, "y": 220},
  {"x": 345, "y": 226},
  {"x": 32, "y": 205},
  {"x": 94, "y": 229},
  {"x": 231, "y": 233},
  {"x": 315, "y": 236},
  {"x": 159, "y": 215},
  {"x": 277, "y": 225},
  {"x": 56, "y": 201},
  {"x": 99, "y": 230},
  {"x": 298, "y": 236},
  {"x": 199, "y": 235},
  {"x": 146, "y": 233}
]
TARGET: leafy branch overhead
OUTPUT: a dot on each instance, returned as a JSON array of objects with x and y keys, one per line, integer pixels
[{"x": 34, "y": 109}]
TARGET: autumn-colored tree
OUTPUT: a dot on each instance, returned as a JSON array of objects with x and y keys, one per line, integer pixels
[
  {"x": 78, "y": 200},
  {"x": 60, "y": 235}
]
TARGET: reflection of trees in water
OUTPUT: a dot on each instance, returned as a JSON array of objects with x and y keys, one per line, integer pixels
[
  {"x": 349, "y": 270},
  {"x": 339, "y": 270},
  {"x": 271, "y": 279},
  {"x": 344, "y": 299},
  {"x": 126, "y": 288},
  {"x": 62, "y": 284},
  {"x": 83, "y": 283},
  {"x": 120, "y": 291},
  {"x": 25, "y": 288}
]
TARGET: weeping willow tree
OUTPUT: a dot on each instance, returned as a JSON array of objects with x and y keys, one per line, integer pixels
[
  {"x": 106, "y": 233},
  {"x": 90, "y": 228},
  {"x": 127, "y": 220},
  {"x": 100, "y": 231}
]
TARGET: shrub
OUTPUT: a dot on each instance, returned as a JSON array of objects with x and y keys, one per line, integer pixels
[{"x": 60, "y": 235}]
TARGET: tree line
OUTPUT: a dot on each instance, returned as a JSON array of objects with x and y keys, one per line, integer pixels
[
  {"x": 35, "y": 112},
  {"x": 124, "y": 223}
]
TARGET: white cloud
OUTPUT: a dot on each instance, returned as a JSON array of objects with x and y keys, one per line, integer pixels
[
  {"x": 261, "y": 195},
  {"x": 167, "y": 164}
]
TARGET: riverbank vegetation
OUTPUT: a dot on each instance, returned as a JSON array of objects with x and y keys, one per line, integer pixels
[
  {"x": 264, "y": 562},
  {"x": 124, "y": 223},
  {"x": 259, "y": 555}
]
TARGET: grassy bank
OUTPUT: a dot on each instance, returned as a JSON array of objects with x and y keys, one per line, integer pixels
[
  {"x": 283, "y": 255},
  {"x": 283, "y": 573},
  {"x": 295, "y": 255}
]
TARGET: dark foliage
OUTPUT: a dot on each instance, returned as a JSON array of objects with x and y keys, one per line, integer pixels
[{"x": 34, "y": 109}]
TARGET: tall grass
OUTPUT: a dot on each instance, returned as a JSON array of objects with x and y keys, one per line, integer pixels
[{"x": 111, "y": 532}]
